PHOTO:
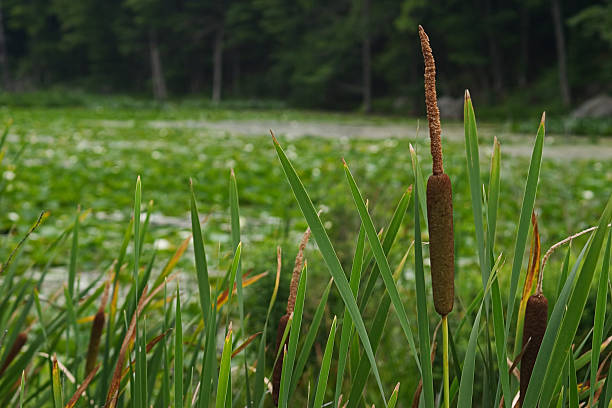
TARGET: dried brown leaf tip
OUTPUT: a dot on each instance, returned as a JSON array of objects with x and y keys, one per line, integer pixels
[{"x": 439, "y": 197}]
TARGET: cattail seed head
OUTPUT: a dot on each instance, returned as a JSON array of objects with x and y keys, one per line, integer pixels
[
  {"x": 536, "y": 316},
  {"x": 18, "y": 344},
  {"x": 441, "y": 241},
  {"x": 278, "y": 367},
  {"x": 94, "y": 341}
]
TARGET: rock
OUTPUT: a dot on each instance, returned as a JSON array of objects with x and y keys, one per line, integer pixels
[
  {"x": 450, "y": 108},
  {"x": 597, "y": 107}
]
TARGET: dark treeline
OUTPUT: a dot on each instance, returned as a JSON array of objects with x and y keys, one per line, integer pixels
[{"x": 342, "y": 54}]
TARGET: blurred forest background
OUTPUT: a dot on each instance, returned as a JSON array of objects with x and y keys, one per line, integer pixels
[{"x": 515, "y": 56}]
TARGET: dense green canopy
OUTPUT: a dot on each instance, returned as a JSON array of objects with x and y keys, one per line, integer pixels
[{"x": 342, "y": 54}]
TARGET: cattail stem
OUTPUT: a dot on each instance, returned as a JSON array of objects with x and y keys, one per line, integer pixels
[
  {"x": 565, "y": 241},
  {"x": 431, "y": 102},
  {"x": 445, "y": 361}
]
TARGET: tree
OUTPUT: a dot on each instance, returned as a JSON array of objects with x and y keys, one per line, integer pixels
[{"x": 555, "y": 9}]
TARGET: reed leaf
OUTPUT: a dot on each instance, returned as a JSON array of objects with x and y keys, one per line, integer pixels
[
  {"x": 329, "y": 256},
  {"x": 383, "y": 264},
  {"x": 600, "y": 315},
  {"x": 325, "y": 365},
  {"x": 294, "y": 336}
]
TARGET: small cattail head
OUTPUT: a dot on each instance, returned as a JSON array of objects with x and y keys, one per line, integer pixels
[
  {"x": 536, "y": 316},
  {"x": 18, "y": 344},
  {"x": 94, "y": 341},
  {"x": 278, "y": 367},
  {"x": 441, "y": 241}
]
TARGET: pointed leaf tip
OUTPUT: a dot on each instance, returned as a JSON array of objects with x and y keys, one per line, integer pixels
[
  {"x": 344, "y": 162},
  {"x": 273, "y": 137},
  {"x": 543, "y": 120},
  {"x": 467, "y": 95}
]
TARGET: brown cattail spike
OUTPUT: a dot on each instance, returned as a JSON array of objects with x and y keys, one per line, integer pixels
[
  {"x": 18, "y": 344},
  {"x": 536, "y": 315},
  {"x": 94, "y": 341},
  {"x": 441, "y": 241},
  {"x": 278, "y": 367},
  {"x": 431, "y": 102},
  {"x": 439, "y": 197},
  {"x": 297, "y": 270}
]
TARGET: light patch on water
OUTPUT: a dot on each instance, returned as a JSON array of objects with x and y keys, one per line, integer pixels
[{"x": 123, "y": 124}]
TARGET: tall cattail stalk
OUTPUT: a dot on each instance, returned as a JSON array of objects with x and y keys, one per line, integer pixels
[
  {"x": 439, "y": 212},
  {"x": 534, "y": 327},
  {"x": 282, "y": 324}
]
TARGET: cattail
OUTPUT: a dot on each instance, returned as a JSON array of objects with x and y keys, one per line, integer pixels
[
  {"x": 536, "y": 315},
  {"x": 14, "y": 351},
  {"x": 282, "y": 324},
  {"x": 94, "y": 341},
  {"x": 439, "y": 197}
]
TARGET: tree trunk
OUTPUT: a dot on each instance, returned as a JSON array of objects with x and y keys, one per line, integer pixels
[
  {"x": 366, "y": 59},
  {"x": 236, "y": 74},
  {"x": 524, "y": 47},
  {"x": 157, "y": 74},
  {"x": 561, "y": 57},
  {"x": 218, "y": 64},
  {"x": 6, "y": 79}
]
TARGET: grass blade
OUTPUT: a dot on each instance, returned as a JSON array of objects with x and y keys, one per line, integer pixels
[
  {"x": 473, "y": 165},
  {"x": 325, "y": 365},
  {"x": 178, "y": 352},
  {"x": 531, "y": 187},
  {"x": 576, "y": 305},
  {"x": 330, "y": 257},
  {"x": 394, "y": 396},
  {"x": 22, "y": 389},
  {"x": 419, "y": 182},
  {"x": 552, "y": 353},
  {"x": 387, "y": 242},
  {"x": 347, "y": 323},
  {"x": 294, "y": 336},
  {"x": 200, "y": 259},
  {"x": 81, "y": 390},
  {"x": 56, "y": 385},
  {"x": 600, "y": 315},
  {"x": 235, "y": 231},
  {"x": 310, "y": 339},
  {"x": 377, "y": 329},
  {"x": 493, "y": 196},
  {"x": 423, "y": 319},
  {"x": 381, "y": 261},
  {"x": 466, "y": 386},
  {"x": 573, "y": 382},
  {"x": 224, "y": 372}
]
